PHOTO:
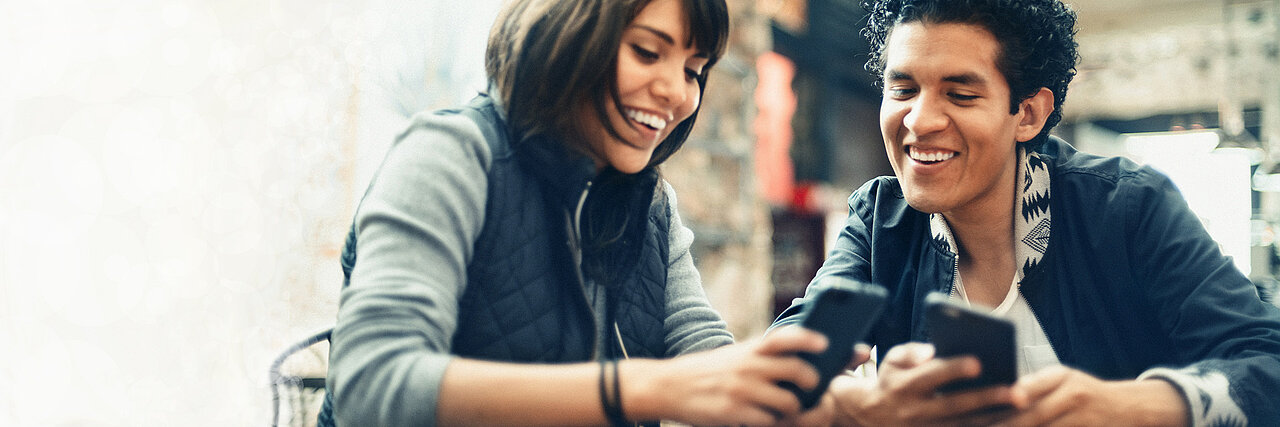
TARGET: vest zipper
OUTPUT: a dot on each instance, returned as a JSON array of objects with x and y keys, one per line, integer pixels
[
  {"x": 618, "y": 333},
  {"x": 576, "y": 245}
]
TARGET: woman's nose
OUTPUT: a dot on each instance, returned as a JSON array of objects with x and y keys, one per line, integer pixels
[{"x": 670, "y": 87}]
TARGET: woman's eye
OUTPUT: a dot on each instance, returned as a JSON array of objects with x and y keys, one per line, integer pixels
[
  {"x": 644, "y": 53},
  {"x": 691, "y": 74}
]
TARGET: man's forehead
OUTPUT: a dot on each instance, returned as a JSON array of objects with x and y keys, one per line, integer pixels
[{"x": 960, "y": 53}]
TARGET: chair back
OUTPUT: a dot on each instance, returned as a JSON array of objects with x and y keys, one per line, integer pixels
[{"x": 298, "y": 381}]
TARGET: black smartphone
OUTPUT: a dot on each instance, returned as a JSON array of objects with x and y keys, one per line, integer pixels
[
  {"x": 844, "y": 310},
  {"x": 955, "y": 330}
]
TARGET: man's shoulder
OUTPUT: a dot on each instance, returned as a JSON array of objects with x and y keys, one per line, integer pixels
[
  {"x": 1072, "y": 164},
  {"x": 878, "y": 190},
  {"x": 1088, "y": 182},
  {"x": 881, "y": 205}
]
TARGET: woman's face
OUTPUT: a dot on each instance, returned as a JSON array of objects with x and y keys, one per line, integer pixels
[{"x": 657, "y": 81}]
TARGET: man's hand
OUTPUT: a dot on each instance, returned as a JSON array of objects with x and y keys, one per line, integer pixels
[
  {"x": 824, "y": 413},
  {"x": 1061, "y": 396},
  {"x": 905, "y": 393}
]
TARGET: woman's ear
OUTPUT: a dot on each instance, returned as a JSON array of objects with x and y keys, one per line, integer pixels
[{"x": 1034, "y": 110}]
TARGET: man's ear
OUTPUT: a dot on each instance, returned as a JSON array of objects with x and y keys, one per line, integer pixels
[{"x": 1034, "y": 110}]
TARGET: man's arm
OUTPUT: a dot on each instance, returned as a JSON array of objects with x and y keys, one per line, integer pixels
[
  {"x": 1061, "y": 395},
  {"x": 851, "y": 253},
  {"x": 1208, "y": 308}
]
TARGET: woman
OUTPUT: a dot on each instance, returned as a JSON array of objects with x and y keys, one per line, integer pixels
[{"x": 505, "y": 245}]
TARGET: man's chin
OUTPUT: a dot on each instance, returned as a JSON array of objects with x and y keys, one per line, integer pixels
[{"x": 922, "y": 202}]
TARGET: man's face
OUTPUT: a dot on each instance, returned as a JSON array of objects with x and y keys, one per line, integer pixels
[{"x": 945, "y": 119}]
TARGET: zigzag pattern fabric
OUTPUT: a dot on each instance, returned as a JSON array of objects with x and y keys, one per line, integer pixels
[{"x": 1031, "y": 225}]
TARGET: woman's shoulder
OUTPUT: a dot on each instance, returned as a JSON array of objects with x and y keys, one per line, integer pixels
[
  {"x": 475, "y": 129},
  {"x": 438, "y": 150}
]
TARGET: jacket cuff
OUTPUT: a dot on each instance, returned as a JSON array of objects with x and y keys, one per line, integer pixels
[{"x": 1208, "y": 395}]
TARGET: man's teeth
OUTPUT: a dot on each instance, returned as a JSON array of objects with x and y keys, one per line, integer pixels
[
  {"x": 930, "y": 156},
  {"x": 647, "y": 119}
]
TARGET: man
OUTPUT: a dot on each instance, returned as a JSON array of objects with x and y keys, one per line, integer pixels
[{"x": 1126, "y": 311}]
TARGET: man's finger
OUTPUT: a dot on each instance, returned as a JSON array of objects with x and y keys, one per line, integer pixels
[
  {"x": 792, "y": 340},
  {"x": 1042, "y": 382},
  {"x": 861, "y": 354},
  {"x": 909, "y": 355}
]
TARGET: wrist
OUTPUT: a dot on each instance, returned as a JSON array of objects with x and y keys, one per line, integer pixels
[
  {"x": 1153, "y": 402},
  {"x": 637, "y": 382},
  {"x": 846, "y": 393}
]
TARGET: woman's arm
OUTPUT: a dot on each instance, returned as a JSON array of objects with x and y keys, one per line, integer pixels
[
  {"x": 415, "y": 226},
  {"x": 733, "y": 385},
  {"x": 691, "y": 323}
]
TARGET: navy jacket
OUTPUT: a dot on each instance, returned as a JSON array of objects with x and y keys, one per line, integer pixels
[{"x": 1131, "y": 280}]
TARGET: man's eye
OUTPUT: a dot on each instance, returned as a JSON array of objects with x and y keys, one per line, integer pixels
[
  {"x": 962, "y": 97},
  {"x": 900, "y": 93}
]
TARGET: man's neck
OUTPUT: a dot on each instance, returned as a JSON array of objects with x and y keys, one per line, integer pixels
[{"x": 985, "y": 239}]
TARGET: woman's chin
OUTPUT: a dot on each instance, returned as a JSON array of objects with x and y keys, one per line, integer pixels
[{"x": 630, "y": 167}]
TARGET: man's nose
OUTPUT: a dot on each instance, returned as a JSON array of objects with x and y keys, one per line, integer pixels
[{"x": 927, "y": 115}]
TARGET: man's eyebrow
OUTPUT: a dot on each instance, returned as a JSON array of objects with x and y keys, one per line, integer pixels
[
  {"x": 965, "y": 79},
  {"x": 895, "y": 75},
  {"x": 667, "y": 38}
]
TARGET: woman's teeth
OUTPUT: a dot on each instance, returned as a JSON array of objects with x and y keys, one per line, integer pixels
[
  {"x": 650, "y": 120},
  {"x": 930, "y": 156}
]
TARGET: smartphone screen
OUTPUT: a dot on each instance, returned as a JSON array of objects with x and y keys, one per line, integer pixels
[
  {"x": 956, "y": 330},
  {"x": 843, "y": 310}
]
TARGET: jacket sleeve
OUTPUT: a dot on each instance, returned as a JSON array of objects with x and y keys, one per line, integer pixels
[
  {"x": 691, "y": 324},
  {"x": 850, "y": 256},
  {"x": 1228, "y": 337},
  {"x": 415, "y": 229}
]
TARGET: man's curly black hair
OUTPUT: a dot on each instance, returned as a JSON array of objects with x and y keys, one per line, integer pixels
[{"x": 1037, "y": 39}]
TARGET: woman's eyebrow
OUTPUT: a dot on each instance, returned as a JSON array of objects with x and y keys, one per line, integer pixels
[
  {"x": 667, "y": 38},
  {"x": 661, "y": 34}
]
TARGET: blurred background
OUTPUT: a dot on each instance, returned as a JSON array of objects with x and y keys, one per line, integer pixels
[{"x": 176, "y": 178}]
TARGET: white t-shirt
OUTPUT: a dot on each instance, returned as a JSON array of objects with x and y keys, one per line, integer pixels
[{"x": 1034, "y": 350}]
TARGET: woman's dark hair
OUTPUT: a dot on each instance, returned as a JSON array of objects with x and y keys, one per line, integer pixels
[
  {"x": 545, "y": 57},
  {"x": 1037, "y": 40}
]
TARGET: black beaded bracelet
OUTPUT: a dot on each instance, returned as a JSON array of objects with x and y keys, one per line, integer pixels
[{"x": 611, "y": 402}]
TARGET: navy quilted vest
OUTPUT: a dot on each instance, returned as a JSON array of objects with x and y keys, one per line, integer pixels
[{"x": 523, "y": 301}]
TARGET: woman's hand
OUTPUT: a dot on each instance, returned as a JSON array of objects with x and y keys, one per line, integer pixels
[
  {"x": 732, "y": 385},
  {"x": 904, "y": 393}
]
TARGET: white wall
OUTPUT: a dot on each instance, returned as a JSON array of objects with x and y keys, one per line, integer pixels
[{"x": 176, "y": 178}]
